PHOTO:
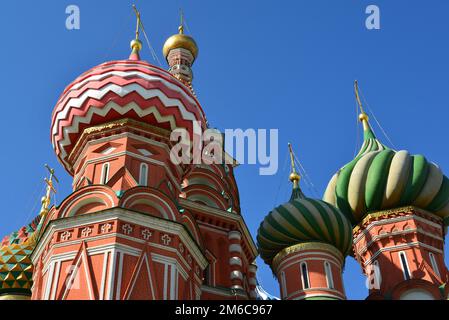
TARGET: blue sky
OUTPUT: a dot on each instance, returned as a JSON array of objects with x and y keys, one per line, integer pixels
[{"x": 287, "y": 65}]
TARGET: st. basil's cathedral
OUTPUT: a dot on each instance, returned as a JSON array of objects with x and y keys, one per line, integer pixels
[{"x": 139, "y": 227}]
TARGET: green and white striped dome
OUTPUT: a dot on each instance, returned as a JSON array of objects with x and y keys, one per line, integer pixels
[
  {"x": 380, "y": 178},
  {"x": 303, "y": 220}
]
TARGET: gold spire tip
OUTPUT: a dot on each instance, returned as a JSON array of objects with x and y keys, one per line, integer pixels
[
  {"x": 181, "y": 24},
  {"x": 363, "y": 117},
  {"x": 294, "y": 176}
]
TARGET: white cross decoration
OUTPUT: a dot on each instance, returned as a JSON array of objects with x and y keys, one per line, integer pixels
[
  {"x": 189, "y": 259},
  {"x": 166, "y": 239},
  {"x": 127, "y": 229},
  {"x": 146, "y": 234},
  {"x": 86, "y": 232},
  {"x": 66, "y": 235},
  {"x": 106, "y": 228},
  {"x": 181, "y": 248}
]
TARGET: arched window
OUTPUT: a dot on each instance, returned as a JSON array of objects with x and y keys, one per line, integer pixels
[
  {"x": 329, "y": 277},
  {"x": 105, "y": 173},
  {"x": 404, "y": 265},
  {"x": 377, "y": 275},
  {"x": 143, "y": 175},
  {"x": 434, "y": 264},
  {"x": 305, "y": 276}
]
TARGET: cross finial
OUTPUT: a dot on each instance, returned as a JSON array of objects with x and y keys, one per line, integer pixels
[
  {"x": 356, "y": 90},
  {"x": 137, "y": 21},
  {"x": 136, "y": 44},
  {"x": 294, "y": 176},
  {"x": 363, "y": 117},
  {"x": 49, "y": 189}
]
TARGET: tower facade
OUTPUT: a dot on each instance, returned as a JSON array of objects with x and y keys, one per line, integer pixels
[
  {"x": 180, "y": 51},
  {"x": 310, "y": 270},
  {"x": 401, "y": 251},
  {"x": 398, "y": 205},
  {"x": 138, "y": 225},
  {"x": 305, "y": 242}
]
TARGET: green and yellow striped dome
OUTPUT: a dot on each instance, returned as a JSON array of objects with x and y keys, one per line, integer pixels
[
  {"x": 303, "y": 220},
  {"x": 380, "y": 178}
]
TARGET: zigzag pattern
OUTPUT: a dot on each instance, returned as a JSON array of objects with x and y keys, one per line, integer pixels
[
  {"x": 113, "y": 90},
  {"x": 103, "y": 112}
]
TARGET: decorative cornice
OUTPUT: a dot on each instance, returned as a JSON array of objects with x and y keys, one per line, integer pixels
[
  {"x": 387, "y": 214},
  {"x": 364, "y": 232},
  {"x": 113, "y": 125},
  {"x": 399, "y": 247},
  {"x": 125, "y": 215},
  {"x": 306, "y": 246},
  {"x": 376, "y": 238},
  {"x": 309, "y": 256}
]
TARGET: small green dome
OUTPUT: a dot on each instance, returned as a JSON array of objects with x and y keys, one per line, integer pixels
[
  {"x": 380, "y": 178},
  {"x": 303, "y": 220}
]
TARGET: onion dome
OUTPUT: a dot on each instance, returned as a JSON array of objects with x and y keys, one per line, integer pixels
[
  {"x": 302, "y": 220},
  {"x": 123, "y": 89},
  {"x": 380, "y": 178},
  {"x": 22, "y": 235},
  {"x": 180, "y": 41},
  {"x": 16, "y": 268},
  {"x": 180, "y": 51}
]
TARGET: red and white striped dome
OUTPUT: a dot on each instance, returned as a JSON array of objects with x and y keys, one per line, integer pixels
[{"x": 122, "y": 89}]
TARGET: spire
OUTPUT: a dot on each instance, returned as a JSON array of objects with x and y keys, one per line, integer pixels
[
  {"x": 136, "y": 44},
  {"x": 294, "y": 177},
  {"x": 45, "y": 204},
  {"x": 370, "y": 142},
  {"x": 49, "y": 189},
  {"x": 363, "y": 117},
  {"x": 181, "y": 24}
]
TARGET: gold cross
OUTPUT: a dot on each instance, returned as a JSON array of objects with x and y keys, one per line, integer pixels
[
  {"x": 356, "y": 90},
  {"x": 139, "y": 23},
  {"x": 50, "y": 188},
  {"x": 292, "y": 159}
]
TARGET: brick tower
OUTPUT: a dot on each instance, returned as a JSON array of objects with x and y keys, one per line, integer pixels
[
  {"x": 305, "y": 242},
  {"x": 137, "y": 225},
  {"x": 399, "y": 207}
]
